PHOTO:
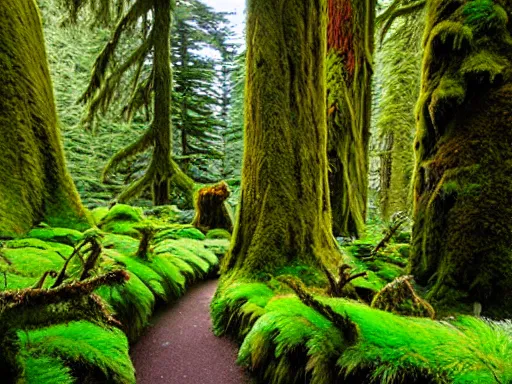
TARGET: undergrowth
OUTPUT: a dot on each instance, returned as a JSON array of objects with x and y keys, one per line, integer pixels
[
  {"x": 80, "y": 351},
  {"x": 285, "y": 341}
]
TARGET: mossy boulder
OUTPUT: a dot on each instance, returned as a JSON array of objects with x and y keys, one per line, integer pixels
[
  {"x": 121, "y": 219},
  {"x": 122, "y": 212}
]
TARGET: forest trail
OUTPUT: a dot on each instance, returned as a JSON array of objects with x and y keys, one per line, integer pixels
[{"x": 180, "y": 348}]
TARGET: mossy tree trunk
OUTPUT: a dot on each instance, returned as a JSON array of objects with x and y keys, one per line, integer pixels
[
  {"x": 34, "y": 182},
  {"x": 161, "y": 104},
  {"x": 285, "y": 212},
  {"x": 401, "y": 72},
  {"x": 462, "y": 231},
  {"x": 349, "y": 75}
]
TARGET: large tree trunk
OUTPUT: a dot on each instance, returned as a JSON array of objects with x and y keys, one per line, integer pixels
[
  {"x": 34, "y": 182},
  {"x": 166, "y": 171},
  {"x": 462, "y": 233},
  {"x": 285, "y": 213},
  {"x": 349, "y": 75},
  {"x": 162, "y": 120}
]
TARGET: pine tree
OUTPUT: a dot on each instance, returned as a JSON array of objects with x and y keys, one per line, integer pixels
[
  {"x": 153, "y": 17},
  {"x": 197, "y": 94},
  {"x": 34, "y": 182},
  {"x": 234, "y": 132}
]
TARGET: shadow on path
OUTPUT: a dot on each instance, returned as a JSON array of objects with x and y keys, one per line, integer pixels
[{"x": 180, "y": 348}]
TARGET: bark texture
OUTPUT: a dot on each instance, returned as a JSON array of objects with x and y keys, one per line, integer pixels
[
  {"x": 34, "y": 182},
  {"x": 349, "y": 76},
  {"x": 462, "y": 231},
  {"x": 284, "y": 213}
]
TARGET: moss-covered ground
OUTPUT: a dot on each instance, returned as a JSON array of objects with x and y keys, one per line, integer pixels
[
  {"x": 284, "y": 340},
  {"x": 81, "y": 351}
]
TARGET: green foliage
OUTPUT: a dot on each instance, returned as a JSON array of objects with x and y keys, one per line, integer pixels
[
  {"x": 196, "y": 103},
  {"x": 32, "y": 262},
  {"x": 178, "y": 231},
  {"x": 218, "y": 233},
  {"x": 83, "y": 351},
  {"x": 236, "y": 307},
  {"x": 399, "y": 59},
  {"x": 289, "y": 342},
  {"x": 234, "y": 132},
  {"x": 47, "y": 370},
  {"x": 58, "y": 235},
  {"x": 86, "y": 347},
  {"x": 122, "y": 220},
  {"x": 132, "y": 302},
  {"x": 122, "y": 212}
]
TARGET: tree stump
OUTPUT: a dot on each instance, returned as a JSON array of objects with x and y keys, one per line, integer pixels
[{"x": 211, "y": 209}]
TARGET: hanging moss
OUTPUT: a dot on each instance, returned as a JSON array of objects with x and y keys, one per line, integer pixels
[
  {"x": 349, "y": 74},
  {"x": 462, "y": 230},
  {"x": 284, "y": 212},
  {"x": 34, "y": 182},
  {"x": 400, "y": 57}
]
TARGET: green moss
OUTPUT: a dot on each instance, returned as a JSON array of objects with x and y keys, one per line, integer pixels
[
  {"x": 236, "y": 306},
  {"x": 461, "y": 232},
  {"x": 32, "y": 262},
  {"x": 122, "y": 212},
  {"x": 88, "y": 348},
  {"x": 63, "y": 249},
  {"x": 218, "y": 234},
  {"x": 191, "y": 251},
  {"x": 132, "y": 303},
  {"x": 122, "y": 220},
  {"x": 99, "y": 214},
  {"x": 35, "y": 183},
  {"x": 57, "y": 235},
  {"x": 125, "y": 245},
  {"x": 289, "y": 342},
  {"x": 218, "y": 246},
  {"x": 484, "y": 63},
  {"x": 47, "y": 370},
  {"x": 145, "y": 273},
  {"x": 178, "y": 231}
]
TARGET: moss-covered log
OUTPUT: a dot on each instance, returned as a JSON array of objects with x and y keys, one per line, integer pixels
[
  {"x": 284, "y": 211},
  {"x": 34, "y": 182},
  {"x": 462, "y": 231},
  {"x": 349, "y": 75}
]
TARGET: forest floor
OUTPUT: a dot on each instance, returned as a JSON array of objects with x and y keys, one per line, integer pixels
[{"x": 180, "y": 346}]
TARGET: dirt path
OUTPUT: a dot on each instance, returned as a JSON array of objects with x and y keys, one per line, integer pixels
[{"x": 180, "y": 347}]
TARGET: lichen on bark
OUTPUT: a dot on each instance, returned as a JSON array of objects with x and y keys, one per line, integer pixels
[
  {"x": 462, "y": 231},
  {"x": 34, "y": 182}
]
